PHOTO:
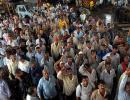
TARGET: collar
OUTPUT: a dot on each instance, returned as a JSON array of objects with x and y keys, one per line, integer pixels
[
  {"x": 107, "y": 72},
  {"x": 101, "y": 95}
]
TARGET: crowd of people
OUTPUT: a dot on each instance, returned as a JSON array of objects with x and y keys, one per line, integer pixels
[{"x": 62, "y": 54}]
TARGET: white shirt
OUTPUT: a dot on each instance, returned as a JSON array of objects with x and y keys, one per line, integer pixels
[
  {"x": 31, "y": 98},
  {"x": 115, "y": 59},
  {"x": 55, "y": 49},
  {"x": 92, "y": 76},
  {"x": 30, "y": 54},
  {"x": 84, "y": 92},
  {"x": 108, "y": 78},
  {"x": 122, "y": 95},
  {"x": 12, "y": 43},
  {"x": 38, "y": 41},
  {"x": 82, "y": 17},
  {"x": 49, "y": 65},
  {"x": 6, "y": 61},
  {"x": 39, "y": 57},
  {"x": 24, "y": 66},
  {"x": 2, "y": 51},
  {"x": 12, "y": 66}
]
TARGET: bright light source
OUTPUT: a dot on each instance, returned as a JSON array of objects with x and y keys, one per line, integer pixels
[{"x": 108, "y": 18}]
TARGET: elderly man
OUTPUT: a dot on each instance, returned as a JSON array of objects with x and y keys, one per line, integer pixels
[
  {"x": 46, "y": 89},
  {"x": 108, "y": 75}
]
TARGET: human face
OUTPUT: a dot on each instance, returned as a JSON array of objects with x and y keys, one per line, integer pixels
[
  {"x": 114, "y": 50},
  {"x": 88, "y": 45},
  {"x": 69, "y": 71},
  {"x": 128, "y": 88},
  {"x": 69, "y": 60},
  {"x": 46, "y": 55},
  {"x": 126, "y": 59},
  {"x": 101, "y": 88},
  {"x": 70, "y": 44},
  {"x": 33, "y": 65},
  {"x": 108, "y": 67},
  {"x": 81, "y": 56},
  {"x": 85, "y": 82},
  {"x": 13, "y": 57},
  {"x": 46, "y": 74}
]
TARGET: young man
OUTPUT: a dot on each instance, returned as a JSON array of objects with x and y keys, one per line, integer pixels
[
  {"x": 101, "y": 93},
  {"x": 84, "y": 89},
  {"x": 35, "y": 71},
  {"x": 71, "y": 64},
  {"x": 115, "y": 57},
  {"x": 48, "y": 63},
  {"x": 86, "y": 70},
  {"x": 123, "y": 66},
  {"x": 124, "y": 86},
  {"x": 108, "y": 75},
  {"x": 23, "y": 64}
]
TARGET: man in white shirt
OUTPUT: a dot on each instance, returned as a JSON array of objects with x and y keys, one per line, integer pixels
[
  {"x": 48, "y": 63},
  {"x": 38, "y": 54},
  {"x": 115, "y": 57},
  {"x": 124, "y": 87},
  {"x": 101, "y": 65},
  {"x": 23, "y": 64},
  {"x": 11, "y": 41},
  {"x": 86, "y": 70},
  {"x": 55, "y": 49},
  {"x": 108, "y": 75},
  {"x": 84, "y": 90},
  {"x": 6, "y": 59},
  {"x": 71, "y": 64},
  {"x": 40, "y": 40},
  {"x": 82, "y": 17}
]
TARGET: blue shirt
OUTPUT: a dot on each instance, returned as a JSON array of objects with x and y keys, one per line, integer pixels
[
  {"x": 79, "y": 34},
  {"x": 47, "y": 88},
  {"x": 128, "y": 40}
]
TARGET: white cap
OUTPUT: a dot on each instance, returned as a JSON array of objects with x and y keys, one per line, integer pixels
[{"x": 80, "y": 52}]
